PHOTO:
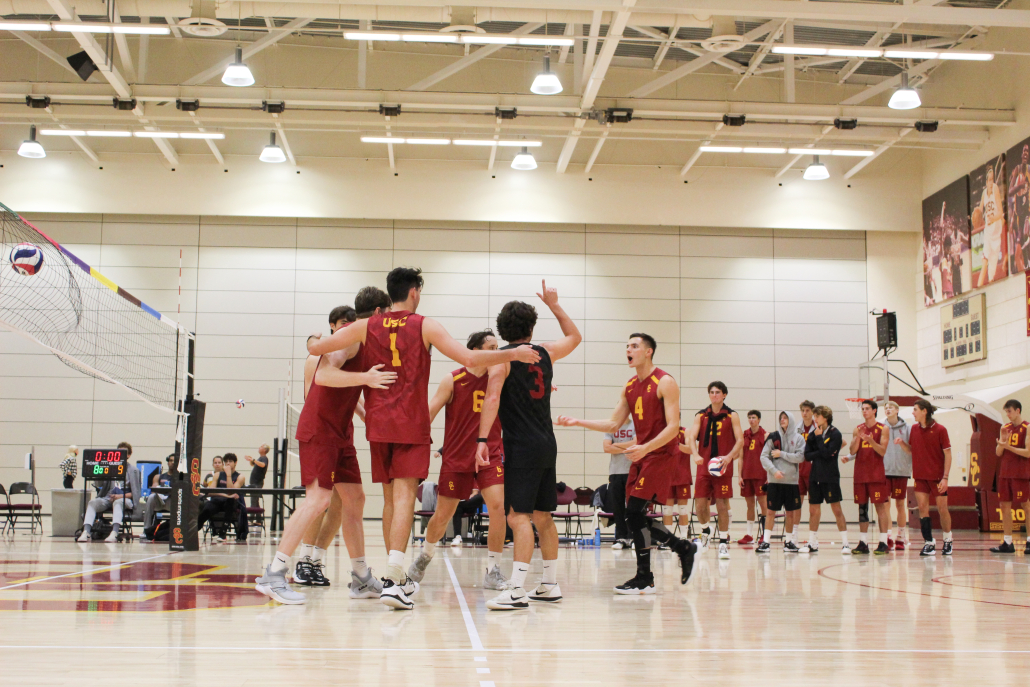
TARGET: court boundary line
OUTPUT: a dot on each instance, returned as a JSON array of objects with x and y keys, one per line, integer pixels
[
  {"x": 534, "y": 650},
  {"x": 83, "y": 572},
  {"x": 470, "y": 623}
]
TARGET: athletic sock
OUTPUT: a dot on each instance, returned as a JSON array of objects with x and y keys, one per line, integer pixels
[
  {"x": 767, "y": 536},
  {"x": 305, "y": 551},
  {"x": 492, "y": 559},
  {"x": 281, "y": 562},
  {"x": 87, "y": 529},
  {"x": 395, "y": 566},
  {"x": 518, "y": 574},
  {"x": 359, "y": 566},
  {"x": 844, "y": 538},
  {"x": 947, "y": 536},
  {"x": 813, "y": 538},
  {"x": 864, "y": 536},
  {"x": 1008, "y": 539},
  {"x": 550, "y": 572},
  {"x": 316, "y": 554},
  {"x": 883, "y": 537},
  {"x": 750, "y": 527},
  {"x": 926, "y": 527},
  {"x": 429, "y": 549},
  {"x": 894, "y": 532}
]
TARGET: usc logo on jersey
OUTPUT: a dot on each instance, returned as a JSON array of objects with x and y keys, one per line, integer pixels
[
  {"x": 648, "y": 388},
  {"x": 390, "y": 322}
]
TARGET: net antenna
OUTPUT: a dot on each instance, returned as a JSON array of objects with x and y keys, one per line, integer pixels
[{"x": 89, "y": 322}]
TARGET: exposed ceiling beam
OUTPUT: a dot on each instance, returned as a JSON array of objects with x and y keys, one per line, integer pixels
[
  {"x": 597, "y": 150},
  {"x": 173, "y": 24},
  {"x": 121, "y": 44},
  {"x": 789, "y": 82},
  {"x": 563, "y": 54},
  {"x": 468, "y": 60},
  {"x": 793, "y": 161},
  {"x": 591, "y": 53},
  {"x": 362, "y": 57},
  {"x": 270, "y": 38},
  {"x": 93, "y": 49},
  {"x": 44, "y": 50},
  {"x": 212, "y": 146},
  {"x": 663, "y": 49},
  {"x": 854, "y": 63},
  {"x": 877, "y": 153},
  {"x": 144, "y": 52},
  {"x": 285, "y": 141},
  {"x": 694, "y": 65},
  {"x": 90, "y": 153},
  {"x": 760, "y": 54}
]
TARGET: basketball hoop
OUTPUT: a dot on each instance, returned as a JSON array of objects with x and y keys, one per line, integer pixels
[{"x": 855, "y": 407}]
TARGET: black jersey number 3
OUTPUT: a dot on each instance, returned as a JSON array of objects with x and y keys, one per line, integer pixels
[{"x": 538, "y": 393}]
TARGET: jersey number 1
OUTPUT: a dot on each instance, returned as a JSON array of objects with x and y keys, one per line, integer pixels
[{"x": 396, "y": 354}]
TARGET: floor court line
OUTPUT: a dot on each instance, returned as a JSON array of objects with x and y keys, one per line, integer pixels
[
  {"x": 82, "y": 572},
  {"x": 507, "y": 650},
  {"x": 470, "y": 624}
]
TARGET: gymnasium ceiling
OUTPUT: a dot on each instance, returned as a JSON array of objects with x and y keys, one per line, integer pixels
[{"x": 652, "y": 56}]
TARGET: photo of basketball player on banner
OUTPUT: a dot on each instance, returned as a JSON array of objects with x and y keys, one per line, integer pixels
[
  {"x": 1018, "y": 162},
  {"x": 988, "y": 230},
  {"x": 947, "y": 260}
]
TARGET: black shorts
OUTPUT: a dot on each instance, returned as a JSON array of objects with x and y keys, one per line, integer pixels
[
  {"x": 785, "y": 496},
  {"x": 824, "y": 492},
  {"x": 530, "y": 489}
]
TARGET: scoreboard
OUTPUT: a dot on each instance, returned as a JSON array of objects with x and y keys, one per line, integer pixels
[
  {"x": 964, "y": 331},
  {"x": 104, "y": 464}
]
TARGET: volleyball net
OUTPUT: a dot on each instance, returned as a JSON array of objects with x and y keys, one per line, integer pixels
[{"x": 56, "y": 300}]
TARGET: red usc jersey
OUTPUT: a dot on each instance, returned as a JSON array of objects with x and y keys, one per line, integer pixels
[
  {"x": 868, "y": 463},
  {"x": 328, "y": 414},
  {"x": 461, "y": 428},
  {"x": 683, "y": 474},
  {"x": 752, "y": 462},
  {"x": 647, "y": 410},
  {"x": 723, "y": 438},
  {"x": 1013, "y": 466},
  {"x": 398, "y": 414}
]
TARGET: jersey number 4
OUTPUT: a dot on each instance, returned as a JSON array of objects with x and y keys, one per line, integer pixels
[
  {"x": 538, "y": 392},
  {"x": 638, "y": 408},
  {"x": 396, "y": 362}
]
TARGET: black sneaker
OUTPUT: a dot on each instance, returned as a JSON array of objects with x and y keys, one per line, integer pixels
[
  {"x": 302, "y": 573},
  {"x": 685, "y": 550},
  {"x": 317, "y": 574},
  {"x": 882, "y": 549},
  {"x": 928, "y": 549},
  {"x": 1004, "y": 548},
  {"x": 861, "y": 548},
  {"x": 763, "y": 547},
  {"x": 639, "y": 585},
  {"x": 947, "y": 548},
  {"x": 790, "y": 547}
]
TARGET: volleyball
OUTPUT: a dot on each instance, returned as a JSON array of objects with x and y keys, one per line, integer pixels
[
  {"x": 240, "y": 403},
  {"x": 26, "y": 259},
  {"x": 716, "y": 467}
]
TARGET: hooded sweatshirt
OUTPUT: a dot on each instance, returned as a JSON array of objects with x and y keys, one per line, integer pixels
[
  {"x": 896, "y": 462},
  {"x": 792, "y": 452}
]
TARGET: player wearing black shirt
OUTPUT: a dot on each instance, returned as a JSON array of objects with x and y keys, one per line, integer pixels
[{"x": 520, "y": 394}]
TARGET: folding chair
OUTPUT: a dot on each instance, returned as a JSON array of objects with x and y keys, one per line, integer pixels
[
  {"x": 5, "y": 510},
  {"x": 33, "y": 508}
]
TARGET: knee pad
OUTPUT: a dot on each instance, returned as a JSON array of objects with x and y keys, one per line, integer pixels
[
  {"x": 863, "y": 512},
  {"x": 637, "y": 520}
]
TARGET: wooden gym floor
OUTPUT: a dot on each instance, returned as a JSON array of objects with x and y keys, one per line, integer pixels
[{"x": 101, "y": 614}]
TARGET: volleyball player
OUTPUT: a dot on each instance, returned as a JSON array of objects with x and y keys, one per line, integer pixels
[
  {"x": 463, "y": 393},
  {"x": 651, "y": 398},
  {"x": 715, "y": 433},
  {"x": 753, "y": 478},
  {"x": 328, "y": 461},
  {"x": 931, "y": 463},
  {"x": 897, "y": 464},
  {"x": 805, "y": 428},
  {"x": 1014, "y": 475},
  {"x": 397, "y": 418},
  {"x": 868, "y": 445},
  {"x": 520, "y": 395},
  {"x": 821, "y": 451}
]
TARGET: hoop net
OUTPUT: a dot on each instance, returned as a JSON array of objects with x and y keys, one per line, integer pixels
[
  {"x": 855, "y": 407},
  {"x": 88, "y": 321}
]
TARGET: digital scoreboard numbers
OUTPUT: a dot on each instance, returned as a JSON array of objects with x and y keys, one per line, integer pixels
[
  {"x": 104, "y": 464},
  {"x": 964, "y": 331}
]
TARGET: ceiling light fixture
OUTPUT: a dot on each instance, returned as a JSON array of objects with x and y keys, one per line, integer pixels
[
  {"x": 524, "y": 161},
  {"x": 851, "y": 153},
  {"x": 546, "y": 82},
  {"x": 272, "y": 152},
  {"x": 238, "y": 73},
  {"x": 798, "y": 50},
  {"x": 92, "y": 27},
  {"x": 33, "y": 149},
  {"x": 210, "y": 135},
  {"x": 721, "y": 149},
  {"x": 961, "y": 55},
  {"x": 766, "y": 151},
  {"x": 912, "y": 54},
  {"x": 816, "y": 171},
  {"x": 429, "y": 38},
  {"x": 546, "y": 40},
  {"x": 155, "y": 134},
  {"x": 905, "y": 98},
  {"x": 62, "y": 132},
  {"x": 488, "y": 142},
  {"x": 23, "y": 26},
  {"x": 371, "y": 36},
  {"x": 429, "y": 141},
  {"x": 381, "y": 139},
  {"x": 109, "y": 134},
  {"x": 480, "y": 39}
]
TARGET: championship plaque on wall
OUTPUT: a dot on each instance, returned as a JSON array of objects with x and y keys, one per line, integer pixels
[{"x": 964, "y": 331}]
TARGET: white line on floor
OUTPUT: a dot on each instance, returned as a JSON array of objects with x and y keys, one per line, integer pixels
[
  {"x": 470, "y": 625},
  {"x": 84, "y": 571},
  {"x": 508, "y": 650}
]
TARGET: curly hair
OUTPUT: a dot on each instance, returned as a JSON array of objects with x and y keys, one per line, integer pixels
[
  {"x": 516, "y": 321},
  {"x": 477, "y": 339}
]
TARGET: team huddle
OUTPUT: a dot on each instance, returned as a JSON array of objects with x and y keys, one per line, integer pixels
[{"x": 499, "y": 438}]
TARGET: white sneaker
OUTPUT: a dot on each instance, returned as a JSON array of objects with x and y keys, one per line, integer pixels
[
  {"x": 112, "y": 538},
  {"x": 618, "y": 545},
  {"x": 417, "y": 569},
  {"x": 547, "y": 592},
  {"x": 410, "y": 587},
  {"x": 724, "y": 552},
  {"x": 274, "y": 586},
  {"x": 369, "y": 588},
  {"x": 808, "y": 548},
  {"x": 845, "y": 550},
  {"x": 84, "y": 536},
  {"x": 393, "y": 596},
  {"x": 495, "y": 580},
  {"x": 509, "y": 600}
]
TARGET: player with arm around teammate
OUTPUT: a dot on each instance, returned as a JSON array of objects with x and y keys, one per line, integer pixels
[
  {"x": 463, "y": 393},
  {"x": 520, "y": 395},
  {"x": 651, "y": 398}
]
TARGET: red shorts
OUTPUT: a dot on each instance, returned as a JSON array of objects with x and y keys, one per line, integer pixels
[
  {"x": 708, "y": 487},
  {"x": 925, "y": 486},
  {"x": 804, "y": 470},
  {"x": 877, "y": 492},
  {"x": 651, "y": 478},
  {"x": 399, "y": 461},
  {"x": 328, "y": 464},
  {"x": 898, "y": 487},
  {"x": 459, "y": 485},
  {"x": 1012, "y": 490},
  {"x": 754, "y": 487},
  {"x": 679, "y": 492}
]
